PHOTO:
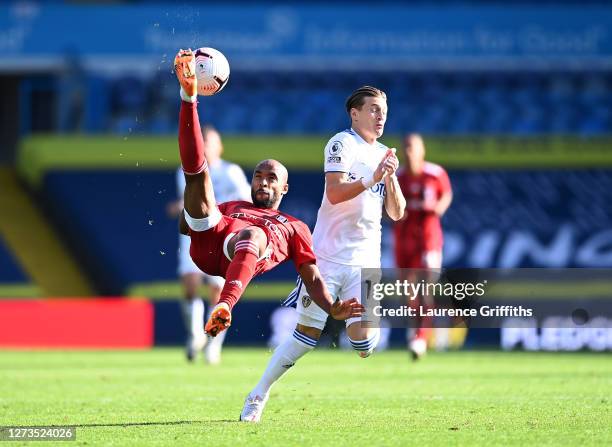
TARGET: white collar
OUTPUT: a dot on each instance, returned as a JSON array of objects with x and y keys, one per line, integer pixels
[{"x": 361, "y": 140}]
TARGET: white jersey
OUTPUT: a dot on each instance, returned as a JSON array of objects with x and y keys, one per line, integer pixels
[
  {"x": 228, "y": 179},
  {"x": 350, "y": 232}
]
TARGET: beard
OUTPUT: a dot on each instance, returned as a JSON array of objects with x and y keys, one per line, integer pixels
[{"x": 264, "y": 203}]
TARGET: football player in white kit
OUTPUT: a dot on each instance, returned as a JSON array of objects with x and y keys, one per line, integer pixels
[
  {"x": 359, "y": 180},
  {"x": 229, "y": 183}
]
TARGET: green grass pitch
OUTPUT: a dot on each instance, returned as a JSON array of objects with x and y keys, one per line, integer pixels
[{"x": 331, "y": 398}]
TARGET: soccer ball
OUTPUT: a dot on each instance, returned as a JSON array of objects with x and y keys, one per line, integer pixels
[{"x": 212, "y": 71}]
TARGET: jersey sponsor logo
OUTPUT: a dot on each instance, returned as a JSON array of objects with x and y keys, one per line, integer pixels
[
  {"x": 259, "y": 221},
  {"x": 336, "y": 148},
  {"x": 379, "y": 189},
  {"x": 333, "y": 159},
  {"x": 306, "y": 301},
  {"x": 282, "y": 219}
]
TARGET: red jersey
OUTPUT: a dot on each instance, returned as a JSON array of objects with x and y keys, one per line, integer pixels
[
  {"x": 288, "y": 238},
  {"x": 421, "y": 229}
]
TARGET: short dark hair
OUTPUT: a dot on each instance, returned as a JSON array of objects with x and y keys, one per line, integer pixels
[{"x": 357, "y": 98}]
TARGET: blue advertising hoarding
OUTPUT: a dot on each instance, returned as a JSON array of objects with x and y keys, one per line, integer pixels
[{"x": 303, "y": 36}]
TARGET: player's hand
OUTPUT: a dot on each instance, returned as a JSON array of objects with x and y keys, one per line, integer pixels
[
  {"x": 343, "y": 310},
  {"x": 387, "y": 166},
  {"x": 184, "y": 67},
  {"x": 380, "y": 171},
  {"x": 391, "y": 162}
]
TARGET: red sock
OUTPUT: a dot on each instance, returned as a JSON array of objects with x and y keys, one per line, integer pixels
[
  {"x": 191, "y": 143},
  {"x": 240, "y": 272}
]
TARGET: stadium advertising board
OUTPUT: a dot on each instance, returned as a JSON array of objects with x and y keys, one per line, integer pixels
[{"x": 310, "y": 36}]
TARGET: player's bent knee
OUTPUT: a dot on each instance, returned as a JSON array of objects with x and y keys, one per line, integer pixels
[
  {"x": 310, "y": 331},
  {"x": 253, "y": 234},
  {"x": 303, "y": 334}
]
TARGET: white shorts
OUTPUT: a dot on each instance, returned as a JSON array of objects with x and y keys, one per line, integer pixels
[
  {"x": 186, "y": 264},
  {"x": 342, "y": 281}
]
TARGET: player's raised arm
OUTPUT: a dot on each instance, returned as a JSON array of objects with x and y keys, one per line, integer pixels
[{"x": 339, "y": 310}]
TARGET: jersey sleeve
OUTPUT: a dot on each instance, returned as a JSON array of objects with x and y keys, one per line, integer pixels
[
  {"x": 444, "y": 184},
  {"x": 241, "y": 190},
  {"x": 339, "y": 154},
  {"x": 301, "y": 246}
]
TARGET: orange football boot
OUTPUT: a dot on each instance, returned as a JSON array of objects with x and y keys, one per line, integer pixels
[
  {"x": 184, "y": 67},
  {"x": 220, "y": 319}
]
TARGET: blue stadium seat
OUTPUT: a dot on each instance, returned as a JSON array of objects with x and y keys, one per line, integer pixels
[{"x": 441, "y": 102}]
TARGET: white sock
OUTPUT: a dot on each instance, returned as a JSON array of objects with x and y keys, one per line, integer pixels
[
  {"x": 367, "y": 346},
  {"x": 284, "y": 357},
  {"x": 193, "y": 313},
  {"x": 213, "y": 347}
]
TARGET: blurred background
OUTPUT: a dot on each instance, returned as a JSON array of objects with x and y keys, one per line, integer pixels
[{"x": 514, "y": 100}]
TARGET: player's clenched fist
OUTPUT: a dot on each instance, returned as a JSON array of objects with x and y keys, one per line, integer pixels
[{"x": 342, "y": 310}]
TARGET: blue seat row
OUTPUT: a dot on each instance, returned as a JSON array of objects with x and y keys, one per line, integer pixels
[{"x": 313, "y": 102}]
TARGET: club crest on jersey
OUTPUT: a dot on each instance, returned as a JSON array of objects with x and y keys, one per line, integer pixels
[
  {"x": 306, "y": 301},
  {"x": 282, "y": 219}
]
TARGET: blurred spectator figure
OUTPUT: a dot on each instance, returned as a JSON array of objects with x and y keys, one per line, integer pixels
[
  {"x": 418, "y": 235},
  {"x": 282, "y": 324},
  {"x": 72, "y": 92},
  {"x": 229, "y": 183}
]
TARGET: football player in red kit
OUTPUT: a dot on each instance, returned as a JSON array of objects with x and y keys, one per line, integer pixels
[
  {"x": 238, "y": 240},
  {"x": 418, "y": 236}
]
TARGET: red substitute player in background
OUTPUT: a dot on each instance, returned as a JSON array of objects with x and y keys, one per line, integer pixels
[
  {"x": 238, "y": 240},
  {"x": 418, "y": 236}
]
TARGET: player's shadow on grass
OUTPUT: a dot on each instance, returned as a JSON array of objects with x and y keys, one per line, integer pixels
[{"x": 144, "y": 424}]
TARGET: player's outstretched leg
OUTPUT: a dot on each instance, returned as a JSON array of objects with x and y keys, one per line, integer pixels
[
  {"x": 303, "y": 340},
  {"x": 199, "y": 200},
  {"x": 363, "y": 340},
  {"x": 249, "y": 244}
]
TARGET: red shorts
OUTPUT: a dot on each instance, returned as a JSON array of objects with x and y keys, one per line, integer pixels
[
  {"x": 209, "y": 248},
  {"x": 415, "y": 256}
]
